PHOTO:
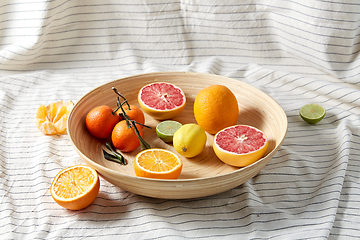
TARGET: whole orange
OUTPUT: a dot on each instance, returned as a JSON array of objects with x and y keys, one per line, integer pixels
[
  {"x": 216, "y": 108},
  {"x": 124, "y": 137},
  {"x": 101, "y": 120},
  {"x": 134, "y": 113}
]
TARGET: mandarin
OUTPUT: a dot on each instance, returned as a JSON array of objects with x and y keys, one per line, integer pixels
[
  {"x": 134, "y": 113},
  {"x": 101, "y": 120},
  {"x": 124, "y": 137},
  {"x": 216, "y": 108}
]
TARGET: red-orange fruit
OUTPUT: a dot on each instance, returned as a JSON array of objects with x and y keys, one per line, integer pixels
[{"x": 101, "y": 120}]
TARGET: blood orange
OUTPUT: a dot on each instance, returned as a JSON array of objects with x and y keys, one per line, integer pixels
[
  {"x": 240, "y": 145},
  {"x": 161, "y": 100}
]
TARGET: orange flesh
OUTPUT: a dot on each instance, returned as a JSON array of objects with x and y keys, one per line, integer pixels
[{"x": 71, "y": 184}]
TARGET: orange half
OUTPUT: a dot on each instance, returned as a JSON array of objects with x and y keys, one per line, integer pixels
[
  {"x": 75, "y": 187},
  {"x": 157, "y": 163}
]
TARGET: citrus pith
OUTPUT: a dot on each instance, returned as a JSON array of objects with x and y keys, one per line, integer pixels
[{"x": 240, "y": 145}]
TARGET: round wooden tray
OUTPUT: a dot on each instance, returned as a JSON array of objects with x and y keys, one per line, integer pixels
[{"x": 201, "y": 176}]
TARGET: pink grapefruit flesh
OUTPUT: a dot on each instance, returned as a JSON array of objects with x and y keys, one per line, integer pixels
[
  {"x": 240, "y": 145},
  {"x": 161, "y": 100}
]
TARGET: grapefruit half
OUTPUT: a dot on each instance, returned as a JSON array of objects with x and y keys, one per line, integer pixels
[
  {"x": 161, "y": 100},
  {"x": 240, "y": 145}
]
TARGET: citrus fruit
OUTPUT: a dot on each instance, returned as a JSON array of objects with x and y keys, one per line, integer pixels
[
  {"x": 124, "y": 137},
  {"x": 157, "y": 163},
  {"x": 161, "y": 100},
  {"x": 216, "y": 108},
  {"x": 189, "y": 140},
  {"x": 166, "y": 129},
  {"x": 101, "y": 120},
  {"x": 75, "y": 187},
  {"x": 240, "y": 145},
  {"x": 51, "y": 119},
  {"x": 312, "y": 113},
  {"x": 134, "y": 113}
]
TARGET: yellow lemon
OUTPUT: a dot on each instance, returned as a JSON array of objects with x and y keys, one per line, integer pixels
[{"x": 189, "y": 140}]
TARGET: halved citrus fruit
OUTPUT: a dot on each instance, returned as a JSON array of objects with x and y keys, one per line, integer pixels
[
  {"x": 312, "y": 113},
  {"x": 161, "y": 100},
  {"x": 166, "y": 129},
  {"x": 157, "y": 163},
  {"x": 52, "y": 119},
  {"x": 240, "y": 145},
  {"x": 75, "y": 187}
]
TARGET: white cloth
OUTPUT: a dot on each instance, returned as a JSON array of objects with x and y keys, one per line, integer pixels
[{"x": 298, "y": 52}]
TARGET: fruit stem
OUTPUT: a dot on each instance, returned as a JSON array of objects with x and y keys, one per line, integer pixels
[
  {"x": 144, "y": 145},
  {"x": 131, "y": 123},
  {"x": 122, "y": 96},
  {"x": 127, "y": 118}
]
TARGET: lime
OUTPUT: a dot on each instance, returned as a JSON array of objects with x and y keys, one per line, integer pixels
[
  {"x": 166, "y": 129},
  {"x": 312, "y": 113}
]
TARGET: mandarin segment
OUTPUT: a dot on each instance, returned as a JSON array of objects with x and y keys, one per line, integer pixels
[{"x": 52, "y": 119}]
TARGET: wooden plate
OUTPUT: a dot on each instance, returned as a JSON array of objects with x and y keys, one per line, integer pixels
[{"x": 201, "y": 176}]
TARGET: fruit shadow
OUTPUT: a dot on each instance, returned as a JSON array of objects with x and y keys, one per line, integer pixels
[{"x": 112, "y": 208}]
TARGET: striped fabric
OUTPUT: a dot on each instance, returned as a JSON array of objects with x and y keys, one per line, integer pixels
[{"x": 297, "y": 51}]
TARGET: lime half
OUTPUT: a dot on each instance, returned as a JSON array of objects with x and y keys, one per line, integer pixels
[
  {"x": 166, "y": 129},
  {"x": 312, "y": 113}
]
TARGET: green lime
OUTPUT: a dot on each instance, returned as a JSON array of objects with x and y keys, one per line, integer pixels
[
  {"x": 312, "y": 113},
  {"x": 166, "y": 129}
]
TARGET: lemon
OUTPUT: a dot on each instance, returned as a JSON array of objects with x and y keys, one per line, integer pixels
[{"x": 189, "y": 140}]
